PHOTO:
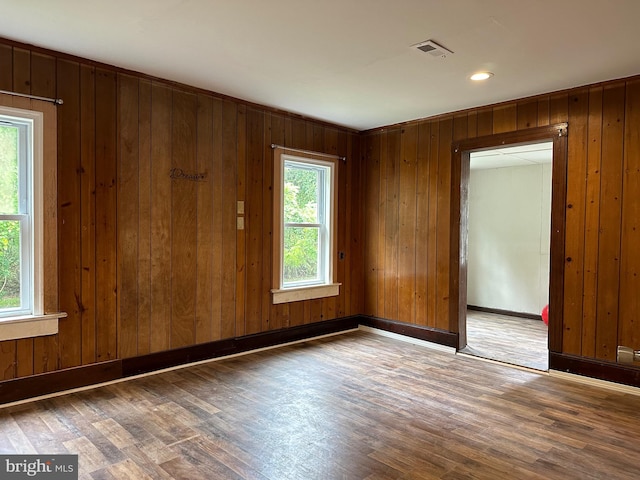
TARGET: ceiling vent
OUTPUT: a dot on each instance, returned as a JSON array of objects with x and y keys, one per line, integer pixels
[{"x": 432, "y": 48}]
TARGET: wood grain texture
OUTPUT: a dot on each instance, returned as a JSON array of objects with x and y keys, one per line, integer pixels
[
  {"x": 88, "y": 211},
  {"x": 120, "y": 302},
  {"x": 183, "y": 221},
  {"x": 106, "y": 214},
  {"x": 205, "y": 245},
  {"x": 602, "y": 121},
  {"x": 69, "y": 212},
  {"x": 592, "y": 221},
  {"x": 160, "y": 218},
  {"x": 407, "y": 225},
  {"x": 128, "y": 215},
  {"x": 575, "y": 217},
  {"x": 337, "y": 408},
  {"x": 629, "y": 323},
  {"x": 610, "y": 222}
]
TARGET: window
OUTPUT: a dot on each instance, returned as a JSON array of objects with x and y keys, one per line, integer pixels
[
  {"x": 22, "y": 225},
  {"x": 16, "y": 217},
  {"x": 305, "y": 227}
]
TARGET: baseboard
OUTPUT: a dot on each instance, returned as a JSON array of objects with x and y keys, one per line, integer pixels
[
  {"x": 34, "y": 386},
  {"x": 509, "y": 313},
  {"x": 222, "y": 348},
  {"x": 60, "y": 380},
  {"x": 609, "y": 371},
  {"x": 72, "y": 378},
  {"x": 414, "y": 341},
  {"x": 420, "y": 332}
]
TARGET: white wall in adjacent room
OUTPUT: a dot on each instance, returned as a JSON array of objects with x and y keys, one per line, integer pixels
[{"x": 509, "y": 232}]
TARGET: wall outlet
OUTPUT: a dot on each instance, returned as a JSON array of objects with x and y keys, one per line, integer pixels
[{"x": 627, "y": 355}]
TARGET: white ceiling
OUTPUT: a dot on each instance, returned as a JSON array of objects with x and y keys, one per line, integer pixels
[
  {"x": 346, "y": 61},
  {"x": 518, "y": 156}
]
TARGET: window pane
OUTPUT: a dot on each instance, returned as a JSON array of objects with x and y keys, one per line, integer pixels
[
  {"x": 8, "y": 169},
  {"x": 301, "y": 247},
  {"x": 300, "y": 194},
  {"x": 9, "y": 264}
]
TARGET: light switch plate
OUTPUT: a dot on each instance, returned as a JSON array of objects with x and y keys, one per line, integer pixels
[
  {"x": 240, "y": 223},
  {"x": 240, "y": 207}
]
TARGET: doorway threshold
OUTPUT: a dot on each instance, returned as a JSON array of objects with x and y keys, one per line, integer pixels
[{"x": 531, "y": 365}]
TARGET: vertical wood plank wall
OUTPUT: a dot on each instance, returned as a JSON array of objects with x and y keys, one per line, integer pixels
[
  {"x": 148, "y": 263},
  {"x": 407, "y": 189}
]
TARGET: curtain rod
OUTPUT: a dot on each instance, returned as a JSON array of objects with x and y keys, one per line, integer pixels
[
  {"x": 55, "y": 101},
  {"x": 320, "y": 154}
]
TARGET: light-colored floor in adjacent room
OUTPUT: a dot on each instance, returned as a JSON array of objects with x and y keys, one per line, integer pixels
[{"x": 514, "y": 340}]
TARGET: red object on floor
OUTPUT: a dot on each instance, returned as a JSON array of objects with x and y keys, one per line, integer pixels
[{"x": 545, "y": 314}]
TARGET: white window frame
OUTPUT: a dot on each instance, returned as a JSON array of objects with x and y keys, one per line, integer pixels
[
  {"x": 30, "y": 320},
  {"x": 325, "y": 286}
]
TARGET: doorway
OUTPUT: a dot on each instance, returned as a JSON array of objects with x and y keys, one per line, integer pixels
[
  {"x": 508, "y": 253},
  {"x": 461, "y": 155}
]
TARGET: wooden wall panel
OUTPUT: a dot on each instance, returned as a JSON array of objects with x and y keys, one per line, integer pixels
[
  {"x": 575, "y": 215},
  {"x": 442, "y": 224},
  {"x": 6, "y": 67},
  {"x": 371, "y": 167},
  {"x": 144, "y": 218},
  {"x": 217, "y": 239},
  {"x": 629, "y": 323},
  {"x": 253, "y": 222},
  {"x": 106, "y": 214},
  {"x": 229, "y": 198},
  {"x": 601, "y": 212},
  {"x": 128, "y": 215},
  {"x": 241, "y": 243},
  {"x": 422, "y": 222},
  {"x": 592, "y": 223},
  {"x": 391, "y": 224},
  {"x": 183, "y": 220},
  {"x": 268, "y": 322},
  {"x": 160, "y": 218},
  {"x": 146, "y": 263},
  {"x": 88, "y": 211},
  {"x": 69, "y": 209},
  {"x": 205, "y": 223},
  {"x": 407, "y": 224},
  {"x": 610, "y": 222}
]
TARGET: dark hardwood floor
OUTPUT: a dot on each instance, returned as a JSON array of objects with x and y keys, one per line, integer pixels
[
  {"x": 353, "y": 406},
  {"x": 514, "y": 340}
]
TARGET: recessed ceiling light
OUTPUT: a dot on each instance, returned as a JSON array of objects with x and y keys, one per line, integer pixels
[{"x": 481, "y": 76}]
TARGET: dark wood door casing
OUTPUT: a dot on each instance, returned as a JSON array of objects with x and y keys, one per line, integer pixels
[{"x": 460, "y": 154}]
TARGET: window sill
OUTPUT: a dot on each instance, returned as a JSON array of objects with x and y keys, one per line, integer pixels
[
  {"x": 305, "y": 293},
  {"x": 29, "y": 326}
]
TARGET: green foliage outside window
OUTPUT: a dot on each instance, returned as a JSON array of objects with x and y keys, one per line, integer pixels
[
  {"x": 301, "y": 250},
  {"x": 9, "y": 230}
]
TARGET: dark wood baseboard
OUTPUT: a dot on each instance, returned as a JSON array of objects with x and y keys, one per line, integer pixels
[
  {"x": 58, "y": 381},
  {"x": 67, "y": 379},
  {"x": 609, "y": 371},
  {"x": 498, "y": 311},
  {"x": 410, "y": 330},
  {"x": 221, "y": 348},
  {"x": 61, "y": 380}
]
